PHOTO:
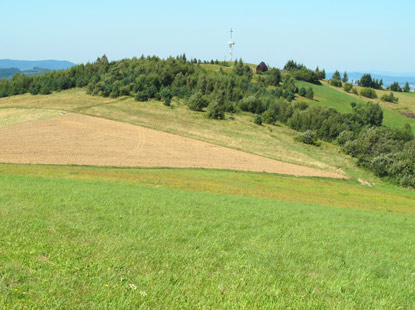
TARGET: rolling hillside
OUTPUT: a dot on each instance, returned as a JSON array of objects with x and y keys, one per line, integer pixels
[{"x": 91, "y": 235}]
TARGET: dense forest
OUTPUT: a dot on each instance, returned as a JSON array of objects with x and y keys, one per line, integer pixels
[{"x": 271, "y": 96}]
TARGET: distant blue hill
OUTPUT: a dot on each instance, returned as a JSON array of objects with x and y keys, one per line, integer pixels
[
  {"x": 387, "y": 79},
  {"x": 31, "y": 64}
]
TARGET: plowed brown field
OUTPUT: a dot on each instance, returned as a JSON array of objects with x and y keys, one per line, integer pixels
[{"x": 85, "y": 140}]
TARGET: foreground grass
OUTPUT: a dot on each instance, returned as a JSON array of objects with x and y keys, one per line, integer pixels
[{"x": 100, "y": 244}]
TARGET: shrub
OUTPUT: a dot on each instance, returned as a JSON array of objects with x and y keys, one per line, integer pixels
[
  {"x": 44, "y": 90},
  {"x": 307, "y": 137},
  {"x": 347, "y": 87},
  {"x": 302, "y": 92},
  {"x": 269, "y": 117},
  {"x": 336, "y": 83},
  {"x": 166, "y": 93},
  {"x": 258, "y": 120},
  {"x": 215, "y": 110},
  {"x": 167, "y": 101},
  {"x": 125, "y": 91},
  {"x": 344, "y": 137},
  {"x": 309, "y": 93},
  {"x": 368, "y": 93},
  {"x": 389, "y": 98},
  {"x": 197, "y": 102},
  {"x": 141, "y": 96},
  {"x": 380, "y": 164}
]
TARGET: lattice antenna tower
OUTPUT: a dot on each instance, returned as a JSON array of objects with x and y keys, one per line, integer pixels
[{"x": 231, "y": 43}]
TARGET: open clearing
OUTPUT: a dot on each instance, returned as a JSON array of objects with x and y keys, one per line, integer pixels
[{"x": 84, "y": 140}]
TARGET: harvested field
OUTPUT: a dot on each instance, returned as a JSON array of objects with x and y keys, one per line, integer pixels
[
  {"x": 11, "y": 116},
  {"x": 85, "y": 140}
]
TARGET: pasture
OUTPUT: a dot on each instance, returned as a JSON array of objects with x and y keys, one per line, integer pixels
[
  {"x": 340, "y": 100},
  {"x": 94, "y": 238}
]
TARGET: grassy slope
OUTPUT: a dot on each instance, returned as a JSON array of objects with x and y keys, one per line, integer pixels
[
  {"x": 340, "y": 100},
  {"x": 240, "y": 133},
  {"x": 324, "y": 191},
  {"x": 74, "y": 237}
]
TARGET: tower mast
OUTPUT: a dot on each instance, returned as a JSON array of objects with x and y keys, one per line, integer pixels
[{"x": 231, "y": 43}]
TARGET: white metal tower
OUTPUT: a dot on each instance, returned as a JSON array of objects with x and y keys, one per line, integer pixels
[{"x": 230, "y": 43}]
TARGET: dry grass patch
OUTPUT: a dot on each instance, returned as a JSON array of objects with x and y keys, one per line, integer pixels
[
  {"x": 15, "y": 116},
  {"x": 84, "y": 140}
]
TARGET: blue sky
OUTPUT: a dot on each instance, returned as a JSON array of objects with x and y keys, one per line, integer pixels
[{"x": 345, "y": 35}]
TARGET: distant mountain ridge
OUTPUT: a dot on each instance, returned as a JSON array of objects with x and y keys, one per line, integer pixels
[
  {"x": 8, "y": 73},
  {"x": 31, "y": 64}
]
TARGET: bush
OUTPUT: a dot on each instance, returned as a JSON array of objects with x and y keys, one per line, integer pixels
[
  {"x": 125, "y": 91},
  {"x": 269, "y": 117},
  {"x": 336, "y": 83},
  {"x": 344, "y": 137},
  {"x": 167, "y": 102},
  {"x": 389, "y": 98},
  {"x": 166, "y": 93},
  {"x": 45, "y": 90},
  {"x": 197, "y": 102},
  {"x": 347, "y": 87},
  {"x": 215, "y": 110},
  {"x": 307, "y": 137},
  {"x": 380, "y": 164},
  {"x": 309, "y": 93},
  {"x": 258, "y": 120},
  {"x": 141, "y": 96},
  {"x": 302, "y": 92},
  {"x": 368, "y": 93}
]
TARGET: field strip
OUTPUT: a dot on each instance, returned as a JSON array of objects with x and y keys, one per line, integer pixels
[
  {"x": 11, "y": 116},
  {"x": 74, "y": 139}
]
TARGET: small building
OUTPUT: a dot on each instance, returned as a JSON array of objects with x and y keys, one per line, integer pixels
[{"x": 262, "y": 67}]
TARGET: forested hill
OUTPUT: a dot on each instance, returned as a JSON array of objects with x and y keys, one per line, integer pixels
[
  {"x": 220, "y": 88},
  {"x": 31, "y": 64},
  {"x": 10, "y": 72}
]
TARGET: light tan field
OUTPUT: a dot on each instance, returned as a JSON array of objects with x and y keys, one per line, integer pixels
[
  {"x": 15, "y": 116},
  {"x": 85, "y": 140}
]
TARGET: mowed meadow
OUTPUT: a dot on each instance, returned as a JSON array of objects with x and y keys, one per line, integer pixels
[
  {"x": 85, "y": 237},
  {"x": 111, "y": 238}
]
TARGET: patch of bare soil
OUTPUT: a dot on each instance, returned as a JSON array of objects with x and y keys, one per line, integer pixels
[{"x": 85, "y": 140}]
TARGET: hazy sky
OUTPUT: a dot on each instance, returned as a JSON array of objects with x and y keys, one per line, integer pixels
[{"x": 345, "y": 35}]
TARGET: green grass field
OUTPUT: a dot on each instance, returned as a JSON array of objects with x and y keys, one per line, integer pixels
[
  {"x": 338, "y": 99},
  {"x": 106, "y": 238}
]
